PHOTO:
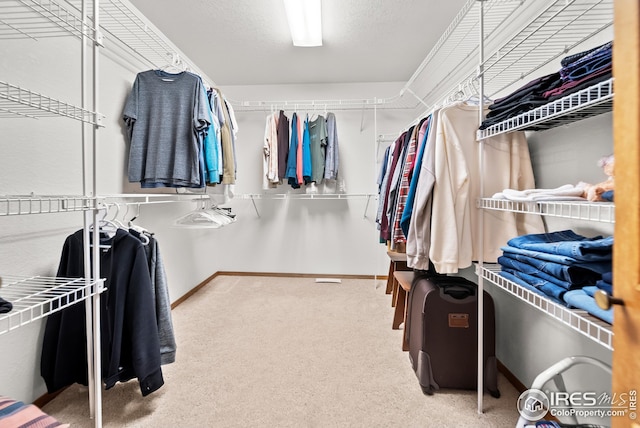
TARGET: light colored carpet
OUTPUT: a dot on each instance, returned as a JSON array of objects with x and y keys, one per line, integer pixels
[{"x": 287, "y": 352}]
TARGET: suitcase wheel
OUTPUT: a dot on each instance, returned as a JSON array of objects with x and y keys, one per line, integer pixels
[
  {"x": 495, "y": 393},
  {"x": 427, "y": 390}
]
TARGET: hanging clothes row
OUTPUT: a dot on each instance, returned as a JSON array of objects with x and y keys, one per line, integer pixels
[
  {"x": 135, "y": 316},
  {"x": 299, "y": 151},
  {"x": 180, "y": 134},
  {"x": 429, "y": 182}
]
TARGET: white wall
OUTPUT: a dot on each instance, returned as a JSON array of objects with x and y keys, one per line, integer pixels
[
  {"x": 307, "y": 236},
  {"x": 44, "y": 157}
]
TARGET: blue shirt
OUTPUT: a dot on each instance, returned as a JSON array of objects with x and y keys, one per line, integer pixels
[{"x": 306, "y": 153}]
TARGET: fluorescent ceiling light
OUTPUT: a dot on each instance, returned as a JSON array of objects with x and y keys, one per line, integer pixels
[{"x": 305, "y": 22}]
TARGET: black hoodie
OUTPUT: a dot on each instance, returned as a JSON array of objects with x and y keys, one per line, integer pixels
[{"x": 130, "y": 345}]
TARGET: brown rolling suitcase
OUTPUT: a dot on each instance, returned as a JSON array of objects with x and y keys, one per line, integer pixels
[{"x": 442, "y": 332}]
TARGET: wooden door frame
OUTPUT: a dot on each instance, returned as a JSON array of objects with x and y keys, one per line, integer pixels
[{"x": 626, "y": 265}]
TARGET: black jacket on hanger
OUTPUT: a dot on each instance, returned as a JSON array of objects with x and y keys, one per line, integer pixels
[{"x": 130, "y": 345}]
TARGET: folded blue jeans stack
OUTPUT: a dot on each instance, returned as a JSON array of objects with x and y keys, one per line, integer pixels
[{"x": 559, "y": 265}]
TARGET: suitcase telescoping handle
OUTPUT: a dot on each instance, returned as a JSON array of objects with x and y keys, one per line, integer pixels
[{"x": 458, "y": 290}]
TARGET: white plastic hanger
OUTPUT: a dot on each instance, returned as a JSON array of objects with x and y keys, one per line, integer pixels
[
  {"x": 175, "y": 67},
  {"x": 106, "y": 227},
  {"x": 472, "y": 97},
  {"x": 222, "y": 215},
  {"x": 141, "y": 230},
  {"x": 200, "y": 218}
]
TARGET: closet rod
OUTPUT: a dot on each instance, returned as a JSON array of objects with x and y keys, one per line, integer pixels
[
  {"x": 303, "y": 196},
  {"x": 327, "y": 196},
  {"x": 335, "y": 104},
  {"x": 149, "y": 198}
]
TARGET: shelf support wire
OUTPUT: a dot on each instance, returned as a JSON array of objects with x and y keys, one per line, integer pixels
[
  {"x": 89, "y": 216},
  {"x": 366, "y": 207},
  {"x": 376, "y": 147},
  {"x": 253, "y": 201},
  {"x": 481, "y": 213},
  {"x": 420, "y": 100},
  {"x": 97, "y": 358}
]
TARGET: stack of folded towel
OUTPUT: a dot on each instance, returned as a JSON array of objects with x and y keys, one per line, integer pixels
[
  {"x": 566, "y": 192},
  {"x": 559, "y": 265}
]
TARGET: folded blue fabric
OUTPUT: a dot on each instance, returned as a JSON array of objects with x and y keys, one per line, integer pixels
[
  {"x": 566, "y": 243},
  {"x": 607, "y": 196},
  {"x": 587, "y": 63},
  {"x": 508, "y": 263},
  {"x": 597, "y": 266},
  {"x": 578, "y": 274},
  {"x": 5, "y": 306},
  {"x": 606, "y": 283},
  {"x": 590, "y": 290},
  {"x": 529, "y": 287},
  {"x": 587, "y": 68},
  {"x": 581, "y": 300},
  {"x": 547, "y": 287},
  {"x": 549, "y": 237},
  {"x": 605, "y": 286}
]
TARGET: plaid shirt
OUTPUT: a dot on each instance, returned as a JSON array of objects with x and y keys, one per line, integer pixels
[{"x": 403, "y": 190}]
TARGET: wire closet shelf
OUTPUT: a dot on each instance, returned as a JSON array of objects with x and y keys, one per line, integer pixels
[
  {"x": 579, "y": 320},
  {"x": 122, "y": 24},
  {"x": 11, "y": 205},
  {"x": 35, "y": 204},
  {"x": 550, "y": 30},
  {"x": 35, "y": 297},
  {"x": 603, "y": 212},
  {"x": 36, "y": 19},
  {"x": 554, "y": 30},
  {"x": 20, "y": 102},
  {"x": 591, "y": 101}
]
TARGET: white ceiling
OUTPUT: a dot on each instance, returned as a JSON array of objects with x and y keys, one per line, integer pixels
[{"x": 247, "y": 42}]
